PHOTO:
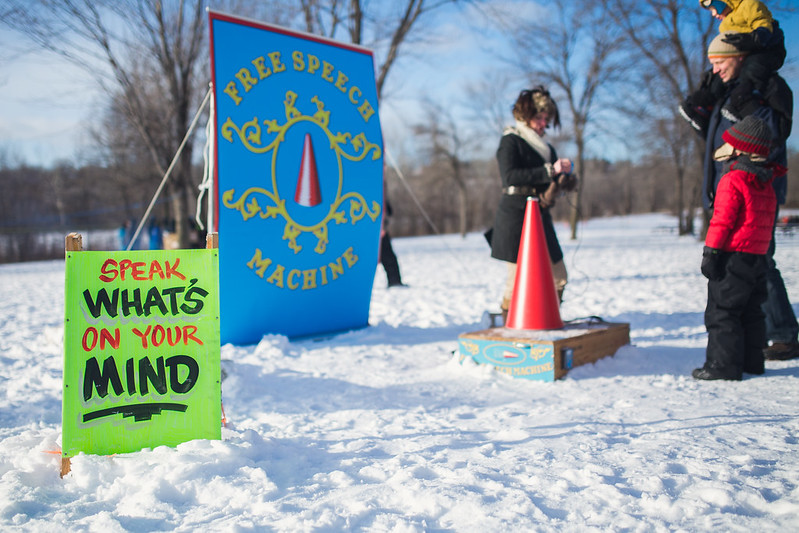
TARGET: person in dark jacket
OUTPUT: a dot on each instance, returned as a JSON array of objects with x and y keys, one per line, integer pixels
[
  {"x": 749, "y": 26},
  {"x": 387, "y": 256},
  {"x": 734, "y": 257},
  {"x": 529, "y": 166},
  {"x": 776, "y": 110}
]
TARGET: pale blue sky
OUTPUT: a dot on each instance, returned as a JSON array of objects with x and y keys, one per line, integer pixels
[{"x": 48, "y": 105}]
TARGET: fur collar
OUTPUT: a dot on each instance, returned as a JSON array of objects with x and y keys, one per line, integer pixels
[{"x": 532, "y": 138}]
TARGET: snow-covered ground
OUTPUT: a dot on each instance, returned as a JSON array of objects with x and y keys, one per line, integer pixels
[{"x": 382, "y": 429}]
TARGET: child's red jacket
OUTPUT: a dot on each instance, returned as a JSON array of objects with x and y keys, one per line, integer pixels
[{"x": 744, "y": 209}]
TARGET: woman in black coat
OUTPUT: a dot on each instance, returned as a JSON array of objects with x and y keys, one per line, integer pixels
[{"x": 529, "y": 166}]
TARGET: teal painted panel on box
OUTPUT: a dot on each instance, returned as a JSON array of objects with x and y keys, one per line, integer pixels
[{"x": 518, "y": 359}]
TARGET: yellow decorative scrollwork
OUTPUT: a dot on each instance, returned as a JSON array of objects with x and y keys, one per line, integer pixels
[
  {"x": 470, "y": 347},
  {"x": 253, "y": 136}
]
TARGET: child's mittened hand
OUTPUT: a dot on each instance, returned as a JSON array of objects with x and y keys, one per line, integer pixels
[
  {"x": 745, "y": 42},
  {"x": 711, "y": 267}
]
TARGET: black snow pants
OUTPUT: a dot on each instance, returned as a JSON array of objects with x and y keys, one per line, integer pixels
[
  {"x": 734, "y": 318},
  {"x": 389, "y": 261}
]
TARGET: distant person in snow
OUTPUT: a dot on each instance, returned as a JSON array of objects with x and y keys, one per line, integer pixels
[
  {"x": 126, "y": 232},
  {"x": 387, "y": 256},
  {"x": 529, "y": 166},
  {"x": 156, "y": 235},
  {"x": 734, "y": 258}
]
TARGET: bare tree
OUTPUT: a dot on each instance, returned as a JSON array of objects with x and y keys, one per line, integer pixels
[
  {"x": 571, "y": 49},
  {"x": 443, "y": 140},
  {"x": 487, "y": 103},
  {"x": 144, "y": 51},
  {"x": 385, "y": 26},
  {"x": 127, "y": 158},
  {"x": 672, "y": 38}
]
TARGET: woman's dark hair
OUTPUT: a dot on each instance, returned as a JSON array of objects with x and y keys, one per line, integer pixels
[{"x": 534, "y": 101}]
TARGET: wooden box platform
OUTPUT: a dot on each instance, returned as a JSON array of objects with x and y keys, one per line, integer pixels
[{"x": 544, "y": 355}]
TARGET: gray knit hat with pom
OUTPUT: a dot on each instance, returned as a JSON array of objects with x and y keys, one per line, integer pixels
[{"x": 750, "y": 135}]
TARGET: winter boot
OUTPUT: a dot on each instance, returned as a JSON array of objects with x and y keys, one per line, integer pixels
[
  {"x": 707, "y": 374},
  {"x": 781, "y": 351}
]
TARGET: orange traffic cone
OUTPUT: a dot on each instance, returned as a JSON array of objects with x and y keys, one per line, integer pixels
[{"x": 534, "y": 303}]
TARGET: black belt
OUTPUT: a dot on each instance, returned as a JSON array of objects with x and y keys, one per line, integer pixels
[{"x": 518, "y": 191}]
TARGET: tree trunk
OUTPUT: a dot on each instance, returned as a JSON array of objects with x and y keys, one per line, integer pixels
[
  {"x": 682, "y": 225},
  {"x": 574, "y": 217},
  {"x": 462, "y": 209}
]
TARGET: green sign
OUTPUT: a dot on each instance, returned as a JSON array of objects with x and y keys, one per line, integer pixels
[{"x": 141, "y": 350}]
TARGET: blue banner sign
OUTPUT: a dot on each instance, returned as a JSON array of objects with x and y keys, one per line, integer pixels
[{"x": 298, "y": 180}]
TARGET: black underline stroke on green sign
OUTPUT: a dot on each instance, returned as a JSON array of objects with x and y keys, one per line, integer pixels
[{"x": 140, "y": 412}]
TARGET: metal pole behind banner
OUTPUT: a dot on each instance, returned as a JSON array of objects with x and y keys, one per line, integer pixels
[
  {"x": 211, "y": 175},
  {"x": 207, "y": 184}
]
